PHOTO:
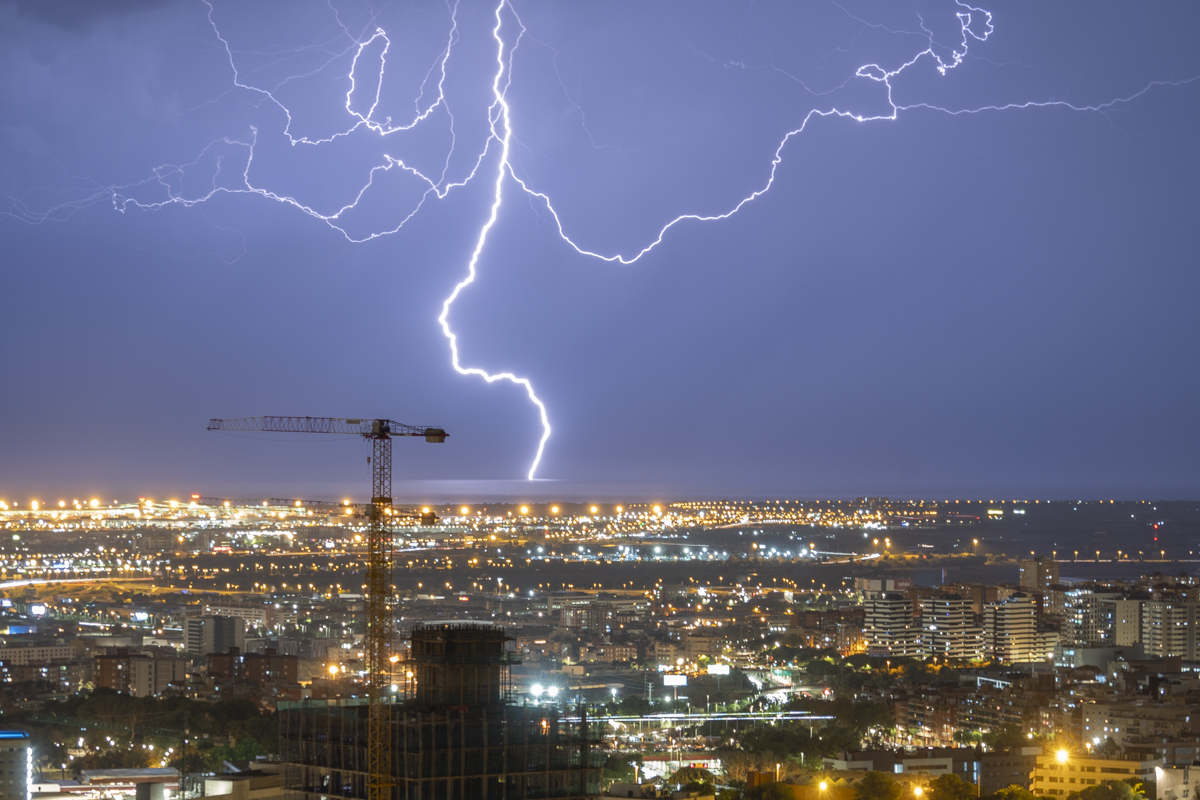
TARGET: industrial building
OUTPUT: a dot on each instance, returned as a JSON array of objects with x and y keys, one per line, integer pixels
[{"x": 456, "y": 733}]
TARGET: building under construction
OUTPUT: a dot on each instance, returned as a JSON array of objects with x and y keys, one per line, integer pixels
[{"x": 456, "y": 734}]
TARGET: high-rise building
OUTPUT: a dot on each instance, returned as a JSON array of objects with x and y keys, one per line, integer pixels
[
  {"x": 1169, "y": 628},
  {"x": 213, "y": 634},
  {"x": 889, "y": 627},
  {"x": 950, "y": 629},
  {"x": 16, "y": 765},
  {"x": 1113, "y": 621},
  {"x": 1038, "y": 574},
  {"x": 1101, "y": 619},
  {"x": 455, "y": 732},
  {"x": 1010, "y": 630}
]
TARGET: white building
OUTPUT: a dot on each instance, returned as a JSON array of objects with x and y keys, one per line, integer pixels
[
  {"x": 214, "y": 634},
  {"x": 1169, "y": 628},
  {"x": 950, "y": 629},
  {"x": 37, "y": 653},
  {"x": 889, "y": 626},
  {"x": 150, "y": 677},
  {"x": 16, "y": 765},
  {"x": 1010, "y": 630}
]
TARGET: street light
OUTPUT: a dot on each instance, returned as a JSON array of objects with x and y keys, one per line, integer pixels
[{"x": 1062, "y": 756}]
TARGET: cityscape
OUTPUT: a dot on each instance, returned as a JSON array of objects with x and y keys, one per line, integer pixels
[
  {"x": 814, "y": 383},
  {"x": 731, "y": 643}
]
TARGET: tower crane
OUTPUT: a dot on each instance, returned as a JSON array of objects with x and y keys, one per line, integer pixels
[{"x": 378, "y": 612}]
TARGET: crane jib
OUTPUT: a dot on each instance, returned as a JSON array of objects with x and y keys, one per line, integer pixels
[{"x": 367, "y": 428}]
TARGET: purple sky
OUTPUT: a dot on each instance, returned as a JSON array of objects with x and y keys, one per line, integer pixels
[{"x": 924, "y": 303}]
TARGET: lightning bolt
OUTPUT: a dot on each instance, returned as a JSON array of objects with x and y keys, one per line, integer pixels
[
  {"x": 499, "y": 115},
  {"x": 975, "y": 25}
]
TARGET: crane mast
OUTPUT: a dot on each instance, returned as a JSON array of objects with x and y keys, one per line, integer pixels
[
  {"x": 378, "y": 613},
  {"x": 378, "y": 636}
]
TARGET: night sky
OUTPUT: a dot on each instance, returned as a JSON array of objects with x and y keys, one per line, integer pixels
[{"x": 994, "y": 303}]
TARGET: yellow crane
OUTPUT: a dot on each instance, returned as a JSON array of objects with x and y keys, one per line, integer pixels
[{"x": 377, "y": 638}]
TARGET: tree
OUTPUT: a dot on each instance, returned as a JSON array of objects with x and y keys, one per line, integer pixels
[
  {"x": 186, "y": 760},
  {"x": 1114, "y": 790},
  {"x": 246, "y": 749},
  {"x": 619, "y": 767},
  {"x": 878, "y": 786},
  {"x": 950, "y": 787},
  {"x": 114, "y": 758},
  {"x": 1006, "y": 736},
  {"x": 1015, "y": 792},
  {"x": 686, "y": 775},
  {"x": 735, "y": 764}
]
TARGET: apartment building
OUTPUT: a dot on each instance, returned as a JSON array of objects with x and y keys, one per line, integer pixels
[{"x": 1010, "y": 630}]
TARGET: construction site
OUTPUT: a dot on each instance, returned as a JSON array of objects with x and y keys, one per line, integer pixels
[
  {"x": 455, "y": 733},
  {"x": 436, "y": 720}
]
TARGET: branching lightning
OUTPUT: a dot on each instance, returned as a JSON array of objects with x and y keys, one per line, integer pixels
[
  {"x": 975, "y": 25},
  {"x": 499, "y": 114}
]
